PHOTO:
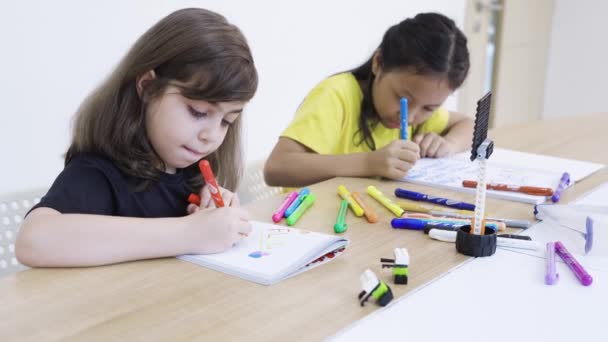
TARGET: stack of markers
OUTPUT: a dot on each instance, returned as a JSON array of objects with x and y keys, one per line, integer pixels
[
  {"x": 294, "y": 205},
  {"x": 450, "y": 216},
  {"x": 356, "y": 204}
]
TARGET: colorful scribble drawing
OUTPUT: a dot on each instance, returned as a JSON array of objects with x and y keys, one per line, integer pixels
[{"x": 269, "y": 239}]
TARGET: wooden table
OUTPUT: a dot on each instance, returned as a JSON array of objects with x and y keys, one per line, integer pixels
[{"x": 169, "y": 299}]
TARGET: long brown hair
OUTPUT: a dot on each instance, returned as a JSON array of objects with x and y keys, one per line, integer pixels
[{"x": 194, "y": 49}]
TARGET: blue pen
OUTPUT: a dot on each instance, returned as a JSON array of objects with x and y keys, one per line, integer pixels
[
  {"x": 416, "y": 196},
  {"x": 294, "y": 205},
  {"x": 403, "y": 132},
  {"x": 563, "y": 183}
]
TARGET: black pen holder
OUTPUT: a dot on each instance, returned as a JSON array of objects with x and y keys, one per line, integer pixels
[{"x": 476, "y": 245}]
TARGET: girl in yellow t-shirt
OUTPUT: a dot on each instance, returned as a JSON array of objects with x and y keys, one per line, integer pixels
[{"x": 348, "y": 125}]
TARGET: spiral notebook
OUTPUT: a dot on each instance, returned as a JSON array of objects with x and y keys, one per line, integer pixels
[
  {"x": 504, "y": 167},
  {"x": 272, "y": 253}
]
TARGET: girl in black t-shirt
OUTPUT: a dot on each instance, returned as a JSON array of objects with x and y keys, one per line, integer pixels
[{"x": 174, "y": 99}]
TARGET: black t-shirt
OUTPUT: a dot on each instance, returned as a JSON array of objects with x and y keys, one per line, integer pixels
[{"x": 92, "y": 184}]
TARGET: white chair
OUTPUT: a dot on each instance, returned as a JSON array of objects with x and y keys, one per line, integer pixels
[
  {"x": 12, "y": 211},
  {"x": 253, "y": 187}
]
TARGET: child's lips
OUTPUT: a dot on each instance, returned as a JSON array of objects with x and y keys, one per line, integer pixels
[{"x": 194, "y": 152}]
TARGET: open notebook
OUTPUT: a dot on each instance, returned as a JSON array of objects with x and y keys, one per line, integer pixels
[
  {"x": 272, "y": 253},
  {"x": 505, "y": 167}
]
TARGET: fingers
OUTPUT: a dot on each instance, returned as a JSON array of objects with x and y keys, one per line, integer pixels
[
  {"x": 443, "y": 151},
  {"x": 192, "y": 208},
  {"x": 431, "y": 151},
  {"x": 426, "y": 143},
  {"x": 231, "y": 199},
  {"x": 206, "y": 201}
]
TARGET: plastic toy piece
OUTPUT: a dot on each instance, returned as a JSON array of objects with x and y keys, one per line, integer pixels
[
  {"x": 373, "y": 287},
  {"x": 399, "y": 265}
]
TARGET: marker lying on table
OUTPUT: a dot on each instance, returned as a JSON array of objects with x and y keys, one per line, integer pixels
[
  {"x": 294, "y": 205},
  {"x": 379, "y": 196},
  {"x": 530, "y": 190},
  {"x": 306, "y": 203},
  {"x": 343, "y": 192},
  {"x": 551, "y": 276},
  {"x": 417, "y": 196},
  {"x": 450, "y": 236},
  {"x": 427, "y": 224},
  {"x": 370, "y": 214},
  {"x": 563, "y": 183},
  {"x": 578, "y": 270},
  {"x": 278, "y": 215},
  {"x": 501, "y": 226},
  {"x": 340, "y": 226},
  {"x": 435, "y": 210}
]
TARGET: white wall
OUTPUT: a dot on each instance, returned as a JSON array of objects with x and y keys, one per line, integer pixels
[
  {"x": 577, "y": 72},
  {"x": 55, "y": 52}
]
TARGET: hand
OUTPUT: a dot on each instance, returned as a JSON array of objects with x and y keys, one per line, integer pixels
[
  {"x": 395, "y": 159},
  {"x": 230, "y": 198},
  {"x": 433, "y": 145},
  {"x": 215, "y": 230}
]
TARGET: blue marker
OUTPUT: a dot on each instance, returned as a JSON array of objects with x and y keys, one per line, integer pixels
[
  {"x": 428, "y": 224},
  {"x": 403, "y": 133},
  {"x": 416, "y": 224},
  {"x": 294, "y": 205},
  {"x": 416, "y": 196}
]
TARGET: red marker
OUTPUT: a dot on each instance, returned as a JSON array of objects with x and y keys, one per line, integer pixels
[
  {"x": 530, "y": 190},
  {"x": 194, "y": 199},
  {"x": 205, "y": 168}
]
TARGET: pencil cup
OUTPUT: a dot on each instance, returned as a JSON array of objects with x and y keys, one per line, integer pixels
[{"x": 476, "y": 245}]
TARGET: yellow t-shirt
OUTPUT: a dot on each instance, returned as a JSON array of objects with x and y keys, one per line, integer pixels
[{"x": 328, "y": 119}]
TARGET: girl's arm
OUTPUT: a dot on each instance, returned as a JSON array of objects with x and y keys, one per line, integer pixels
[
  {"x": 459, "y": 131},
  {"x": 50, "y": 239},
  {"x": 293, "y": 164}
]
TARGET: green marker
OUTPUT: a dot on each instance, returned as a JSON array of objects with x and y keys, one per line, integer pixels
[
  {"x": 295, "y": 216},
  {"x": 340, "y": 226}
]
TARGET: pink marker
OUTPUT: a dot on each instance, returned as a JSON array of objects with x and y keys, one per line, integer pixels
[{"x": 278, "y": 215}]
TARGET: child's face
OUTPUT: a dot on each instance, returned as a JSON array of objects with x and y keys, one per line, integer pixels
[
  {"x": 424, "y": 94},
  {"x": 183, "y": 131}
]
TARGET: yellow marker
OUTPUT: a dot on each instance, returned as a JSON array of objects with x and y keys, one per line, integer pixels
[
  {"x": 427, "y": 208},
  {"x": 356, "y": 208},
  {"x": 376, "y": 194}
]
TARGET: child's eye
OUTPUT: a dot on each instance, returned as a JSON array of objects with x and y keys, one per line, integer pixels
[
  {"x": 226, "y": 123},
  {"x": 196, "y": 113}
]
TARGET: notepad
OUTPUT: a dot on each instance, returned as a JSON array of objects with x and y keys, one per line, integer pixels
[
  {"x": 272, "y": 253},
  {"x": 504, "y": 167}
]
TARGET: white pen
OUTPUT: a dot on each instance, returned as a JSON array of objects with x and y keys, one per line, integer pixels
[{"x": 450, "y": 236}]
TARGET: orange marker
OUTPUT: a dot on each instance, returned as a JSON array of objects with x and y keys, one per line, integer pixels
[
  {"x": 530, "y": 190},
  {"x": 369, "y": 212},
  {"x": 205, "y": 168}
]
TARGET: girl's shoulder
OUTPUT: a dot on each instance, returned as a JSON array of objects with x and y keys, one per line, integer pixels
[{"x": 345, "y": 80}]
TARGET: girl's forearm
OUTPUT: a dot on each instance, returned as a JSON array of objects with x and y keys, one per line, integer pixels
[
  {"x": 461, "y": 134},
  {"x": 295, "y": 169},
  {"x": 65, "y": 240}
]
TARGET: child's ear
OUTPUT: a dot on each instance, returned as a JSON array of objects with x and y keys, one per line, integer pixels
[
  {"x": 376, "y": 62},
  {"x": 141, "y": 80}
]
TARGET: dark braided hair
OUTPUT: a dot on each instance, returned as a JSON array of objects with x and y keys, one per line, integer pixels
[{"x": 428, "y": 44}]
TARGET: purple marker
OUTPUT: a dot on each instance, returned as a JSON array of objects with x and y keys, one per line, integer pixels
[
  {"x": 551, "y": 276},
  {"x": 578, "y": 270},
  {"x": 563, "y": 183}
]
